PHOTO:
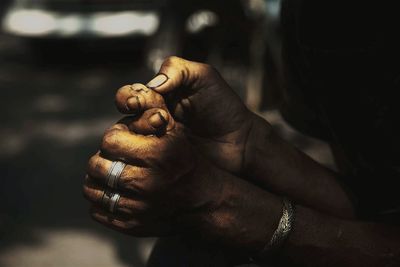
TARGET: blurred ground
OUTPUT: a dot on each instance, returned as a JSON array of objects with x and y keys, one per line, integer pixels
[{"x": 53, "y": 113}]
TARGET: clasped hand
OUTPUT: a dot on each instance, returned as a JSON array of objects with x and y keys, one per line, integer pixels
[{"x": 185, "y": 130}]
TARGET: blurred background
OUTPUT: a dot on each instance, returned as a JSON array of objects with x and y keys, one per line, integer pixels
[{"x": 61, "y": 62}]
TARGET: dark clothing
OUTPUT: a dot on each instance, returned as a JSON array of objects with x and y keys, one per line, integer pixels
[{"x": 342, "y": 68}]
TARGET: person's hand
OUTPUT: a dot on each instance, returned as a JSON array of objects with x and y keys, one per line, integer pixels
[
  {"x": 167, "y": 187},
  {"x": 197, "y": 96},
  {"x": 163, "y": 176}
]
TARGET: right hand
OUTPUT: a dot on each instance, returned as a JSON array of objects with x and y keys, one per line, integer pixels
[{"x": 197, "y": 96}]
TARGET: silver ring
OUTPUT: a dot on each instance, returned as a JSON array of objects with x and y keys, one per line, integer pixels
[
  {"x": 110, "y": 200},
  {"x": 114, "y": 173}
]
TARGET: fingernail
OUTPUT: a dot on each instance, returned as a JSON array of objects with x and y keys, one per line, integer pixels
[
  {"x": 133, "y": 103},
  {"x": 158, "y": 119},
  {"x": 157, "y": 81}
]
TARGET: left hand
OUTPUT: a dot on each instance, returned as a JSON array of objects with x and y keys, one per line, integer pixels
[{"x": 164, "y": 179}]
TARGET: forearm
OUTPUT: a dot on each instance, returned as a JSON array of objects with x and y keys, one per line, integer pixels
[
  {"x": 245, "y": 217},
  {"x": 321, "y": 240},
  {"x": 279, "y": 167}
]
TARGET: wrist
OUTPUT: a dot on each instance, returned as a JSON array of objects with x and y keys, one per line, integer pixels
[
  {"x": 260, "y": 132},
  {"x": 242, "y": 216}
]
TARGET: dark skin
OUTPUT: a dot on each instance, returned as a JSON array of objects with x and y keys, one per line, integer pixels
[{"x": 185, "y": 155}]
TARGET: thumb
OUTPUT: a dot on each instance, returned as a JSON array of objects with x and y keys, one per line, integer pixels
[
  {"x": 177, "y": 73},
  {"x": 153, "y": 121}
]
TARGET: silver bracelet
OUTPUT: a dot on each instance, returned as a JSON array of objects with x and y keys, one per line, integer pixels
[{"x": 284, "y": 227}]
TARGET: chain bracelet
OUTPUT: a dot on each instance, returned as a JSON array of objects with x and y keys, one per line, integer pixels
[{"x": 284, "y": 227}]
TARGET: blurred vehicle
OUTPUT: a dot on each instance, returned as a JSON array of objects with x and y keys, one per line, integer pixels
[{"x": 63, "y": 19}]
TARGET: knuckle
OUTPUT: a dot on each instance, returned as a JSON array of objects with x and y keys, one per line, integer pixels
[
  {"x": 94, "y": 164},
  {"x": 172, "y": 60},
  {"x": 112, "y": 128},
  {"x": 109, "y": 141}
]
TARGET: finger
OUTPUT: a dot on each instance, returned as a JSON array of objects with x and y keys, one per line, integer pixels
[
  {"x": 177, "y": 73},
  {"x": 131, "y": 226},
  {"x": 119, "y": 126},
  {"x": 133, "y": 178},
  {"x": 126, "y": 205},
  {"x": 133, "y": 99},
  {"x": 124, "y": 145},
  {"x": 153, "y": 121}
]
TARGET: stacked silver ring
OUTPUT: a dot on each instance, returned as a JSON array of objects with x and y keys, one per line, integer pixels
[
  {"x": 114, "y": 173},
  {"x": 110, "y": 200}
]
